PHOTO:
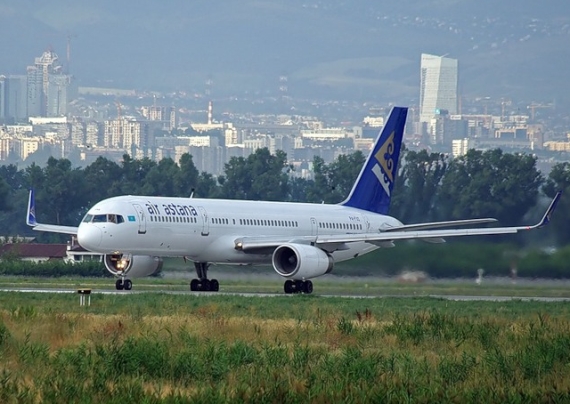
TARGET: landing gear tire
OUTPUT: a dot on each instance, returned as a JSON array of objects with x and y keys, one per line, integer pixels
[
  {"x": 305, "y": 287},
  {"x": 289, "y": 287},
  {"x": 203, "y": 284},
  {"x": 125, "y": 284}
]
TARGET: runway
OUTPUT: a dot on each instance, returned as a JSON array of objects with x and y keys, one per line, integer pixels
[{"x": 260, "y": 295}]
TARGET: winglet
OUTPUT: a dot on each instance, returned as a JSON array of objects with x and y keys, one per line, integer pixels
[
  {"x": 31, "y": 216},
  {"x": 546, "y": 218}
]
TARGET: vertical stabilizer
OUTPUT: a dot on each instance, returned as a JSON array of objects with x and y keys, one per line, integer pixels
[
  {"x": 31, "y": 217},
  {"x": 372, "y": 191}
]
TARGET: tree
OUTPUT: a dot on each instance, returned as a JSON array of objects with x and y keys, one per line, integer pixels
[
  {"x": 13, "y": 177},
  {"x": 343, "y": 172},
  {"x": 559, "y": 180},
  {"x": 160, "y": 180},
  {"x": 4, "y": 195},
  {"x": 207, "y": 186},
  {"x": 319, "y": 189},
  {"x": 298, "y": 189},
  {"x": 333, "y": 182},
  {"x": 490, "y": 184},
  {"x": 260, "y": 176},
  {"x": 187, "y": 178},
  {"x": 63, "y": 195},
  {"x": 134, "y": 173},
  {"x": 417, "y": 186},
  {"x": 103, "y": 179}
]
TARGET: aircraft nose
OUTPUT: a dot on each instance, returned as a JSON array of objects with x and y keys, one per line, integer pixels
[{"x": 89, "y": 236}]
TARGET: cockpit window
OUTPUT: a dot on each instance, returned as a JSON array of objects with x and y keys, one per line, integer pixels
[
  {"x": 110, "y": 218},
  {"x": 99, "y": 218}
]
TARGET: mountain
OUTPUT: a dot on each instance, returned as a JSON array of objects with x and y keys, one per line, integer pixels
[{"x": 327, "y": 48}]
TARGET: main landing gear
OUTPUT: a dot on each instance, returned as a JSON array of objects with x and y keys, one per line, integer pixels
[
  {"x": 203, "y": 284},
  {"x": 125, "y": 284},
  {"x": 298, "y": 286}
]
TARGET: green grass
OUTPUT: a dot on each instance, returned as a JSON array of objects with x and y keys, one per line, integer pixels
[{"x": 193, "y": 348}]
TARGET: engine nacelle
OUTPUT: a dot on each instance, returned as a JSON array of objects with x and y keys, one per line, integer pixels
[
  {"x": 301, "y": 261},
  {"x": 136, "y": 266}
]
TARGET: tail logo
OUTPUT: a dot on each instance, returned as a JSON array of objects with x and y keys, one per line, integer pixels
[{"x": 384, "y": 168}]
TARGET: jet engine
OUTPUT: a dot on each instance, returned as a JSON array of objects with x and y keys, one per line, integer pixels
[
  {"x": 300, "y": 261},
  {"x": 136, "y": 266}
]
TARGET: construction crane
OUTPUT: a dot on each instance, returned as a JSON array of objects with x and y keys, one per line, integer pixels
[{"x": 534, "y": 105}]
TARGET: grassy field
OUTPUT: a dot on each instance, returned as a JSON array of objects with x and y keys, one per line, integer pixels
[{"x": 158, "y": 347}]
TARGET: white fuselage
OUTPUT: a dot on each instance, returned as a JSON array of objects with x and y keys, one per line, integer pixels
[{"x": 206, "y": 230}]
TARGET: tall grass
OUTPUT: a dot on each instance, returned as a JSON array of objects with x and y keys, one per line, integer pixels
[{"x": 295, "y": 349}]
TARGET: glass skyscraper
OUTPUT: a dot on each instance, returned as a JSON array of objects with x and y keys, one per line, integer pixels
[{"x": 438, "y": 87}]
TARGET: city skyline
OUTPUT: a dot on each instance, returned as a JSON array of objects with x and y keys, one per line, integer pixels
[{"x": 160, "y": 127}]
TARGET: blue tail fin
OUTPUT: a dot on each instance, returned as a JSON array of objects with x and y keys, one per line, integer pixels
[
  {"x": 31, "y": 216},
  {"x": 372, "y": 190}
]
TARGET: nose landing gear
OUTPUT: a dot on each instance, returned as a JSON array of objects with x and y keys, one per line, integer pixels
[{"x": 125, "y": 284}]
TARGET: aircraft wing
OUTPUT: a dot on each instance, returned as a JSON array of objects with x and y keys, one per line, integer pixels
[
  {"x": 435, "y": 225},
  {"x": 385, "y": 238},
  {"x": 52, "y": 228}
]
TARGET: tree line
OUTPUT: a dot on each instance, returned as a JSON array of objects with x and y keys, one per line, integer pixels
[{"x": 429, "y": 187}]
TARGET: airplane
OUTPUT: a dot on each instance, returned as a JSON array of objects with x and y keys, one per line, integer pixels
[{"x": 301, "y": 241}]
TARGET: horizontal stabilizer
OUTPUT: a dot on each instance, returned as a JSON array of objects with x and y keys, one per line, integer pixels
[{"x": 52, "y": 228}]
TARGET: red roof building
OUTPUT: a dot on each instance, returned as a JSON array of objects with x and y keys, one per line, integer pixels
[{"x": 34, "y": 252}]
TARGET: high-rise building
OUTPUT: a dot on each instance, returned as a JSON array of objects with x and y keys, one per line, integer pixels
[
  {"x": 58, "y": 95},
  {"x": 47, "y": 87},
  {"x": 438, "y": 86},
  {"x": 166, "y": 115},
  {"x": 2, "y": 99},
  {"x": 13, "y": 99},
  {"x": 125, "y": 133}
]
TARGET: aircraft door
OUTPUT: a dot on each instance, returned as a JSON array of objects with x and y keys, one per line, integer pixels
[
  {"x": 142, "y": 218},
  {"x": 205, "y": 221},
  {"x": 366, "y": 223},
  {"x": 314, "y": 227}
]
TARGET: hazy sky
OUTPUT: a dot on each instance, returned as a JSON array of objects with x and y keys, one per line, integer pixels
[{"x": 333, "y": 47}]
